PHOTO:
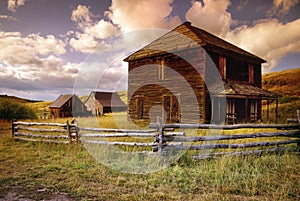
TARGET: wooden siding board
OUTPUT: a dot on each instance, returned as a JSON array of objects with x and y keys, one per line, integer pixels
[{"x": 176, "y": 70}]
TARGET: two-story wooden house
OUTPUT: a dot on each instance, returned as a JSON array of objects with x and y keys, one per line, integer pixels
[{"x": 189, "y": 75}]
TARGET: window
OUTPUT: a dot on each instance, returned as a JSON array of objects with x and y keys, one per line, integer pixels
[
  {"x": 237, "y": 70},
  {"x": 161, "y": 70},
  {"x": 251, "y": 74},
  {"x": 171, "y": 108},
  {"x": 222, "y": 66},
  {"x": 139, "y": 107}
]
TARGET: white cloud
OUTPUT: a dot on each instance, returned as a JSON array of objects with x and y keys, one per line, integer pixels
[
  {"x": 82, "y": 16},
  {"x": 92, "y": 34},
  {"x": 7, "y": 17},
  {"x": 142, "y": 14},
  {"x": 211, "y": 15},
  {"x": 269, "y": 39},
  {"x": 282, "y": 7},
  {"x": 32, "y": 63},
  {"x": 12, "y": 5},
  {"x": 17, "y": 50}
]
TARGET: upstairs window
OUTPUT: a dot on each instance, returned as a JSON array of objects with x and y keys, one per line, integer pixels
[
  {"x": 222, "y": 67},
  {"x": 251, "y": 74},
  {"x": 161, "y": 70},
  {"x": 237, "y": 70}
]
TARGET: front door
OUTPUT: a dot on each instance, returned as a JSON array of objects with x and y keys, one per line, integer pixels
[{"x": 171, "y": 108}]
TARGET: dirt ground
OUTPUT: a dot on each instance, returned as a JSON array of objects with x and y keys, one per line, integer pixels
[{"x": 19, "y": 197}]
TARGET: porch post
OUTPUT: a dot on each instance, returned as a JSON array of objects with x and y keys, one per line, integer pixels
[
  {"x": 212, "y": 110},
  {"x": 246, "y": 110}
]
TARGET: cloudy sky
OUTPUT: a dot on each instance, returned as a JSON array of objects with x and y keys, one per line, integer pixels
[{"x": 52, "y": 47}]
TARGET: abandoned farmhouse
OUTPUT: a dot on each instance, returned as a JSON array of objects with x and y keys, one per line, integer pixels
[{"x": 190, "y": 75}]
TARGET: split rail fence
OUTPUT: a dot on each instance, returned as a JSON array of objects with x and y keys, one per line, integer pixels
[{"x": 165, "y": 137}]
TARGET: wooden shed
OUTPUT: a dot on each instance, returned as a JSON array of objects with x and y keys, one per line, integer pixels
[
  {"x": 173, "y": 77},
  {"x": 100, "y": 103},
  {"x": 68, "y": 105}
]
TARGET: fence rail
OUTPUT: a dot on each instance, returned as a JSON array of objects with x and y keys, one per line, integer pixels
[
  {"x": 164, "y": 137},
  {"x": 275, "y": 141},
  {"x": 37, "y": 130}
]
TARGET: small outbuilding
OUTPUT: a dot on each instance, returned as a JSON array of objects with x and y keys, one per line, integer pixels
[
  {"x": 100, "y": 103},
  {"x": 68, "y": 105}
]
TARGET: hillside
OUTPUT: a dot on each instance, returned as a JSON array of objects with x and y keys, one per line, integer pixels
[
  {"x": 16, "y": 99},
  {"x": 285, "y": 83}
]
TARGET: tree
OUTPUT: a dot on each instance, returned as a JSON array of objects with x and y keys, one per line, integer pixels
[{"x": 12, "y": 110}]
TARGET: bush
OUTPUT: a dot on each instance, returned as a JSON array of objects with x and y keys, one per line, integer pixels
[{"x": 12, "y": 110}]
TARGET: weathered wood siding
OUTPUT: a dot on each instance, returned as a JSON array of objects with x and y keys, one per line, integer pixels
[
  {"x": 93, "y": 105},
  {"x": 182, "y": 79},
  {"x": 73, "y": 107}
]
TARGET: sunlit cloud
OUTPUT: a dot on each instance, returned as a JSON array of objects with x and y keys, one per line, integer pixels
[{"x": 12, "y": 5}]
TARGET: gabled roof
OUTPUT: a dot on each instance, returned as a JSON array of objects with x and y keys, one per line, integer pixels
[
  {"x": 61, "y": 100},
  {"x": 186, "y": 36},
  {"x": 108, "y": 99}
]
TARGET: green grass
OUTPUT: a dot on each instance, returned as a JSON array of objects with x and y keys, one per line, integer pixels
[{"x": 40, "y": 170}]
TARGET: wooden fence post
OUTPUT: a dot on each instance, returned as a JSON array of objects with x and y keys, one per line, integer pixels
[
  {"x": 12, "y": 128},
  {"x": 160, "y": 135},
  {"x": 69, "y": 131},
  {"x": 75, "y": 122}
]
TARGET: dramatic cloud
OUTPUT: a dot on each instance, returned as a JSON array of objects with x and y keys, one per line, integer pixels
[
  {"x": 269, "y": 39},
  {"x": 91, "y": 32},
  {"x": 211, "y": 15},
  {"x": 142, "y": 14},
  {"x": 33, "y": 58},
  {"x": 17, "y": 50},
  {"x": 6, "y": 17},
  {"x": 12, "y": 5},
  {"x": 282, "y": 7}
]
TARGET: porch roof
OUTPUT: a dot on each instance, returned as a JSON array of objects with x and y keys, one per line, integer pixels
[{"x": 241, "y": 90}]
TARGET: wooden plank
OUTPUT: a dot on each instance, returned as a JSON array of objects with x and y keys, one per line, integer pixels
[
  {"x": 248, "y": 152},
  {"x": 38, "y": 124},
  {"x": 160, "y": 135},
  {"x": 227, "y": 127},
  {"x": 230, "y": 137},
  {"x": 41, "y": 136},
  {"x": 230, "y": 146},
  {"x": 116, "y": 130},
  {"x": 139, "y": 144},
  {"x": 40, "y": 140},
  {"x": 117, "y": 135},
  {"x": 41, "y": 129}
]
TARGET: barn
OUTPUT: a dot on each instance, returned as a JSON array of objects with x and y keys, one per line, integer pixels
[
  {"x": 100, "y": 102},
  {"x": 189, "y": 75},
  {"x": 67, "y": 105}
]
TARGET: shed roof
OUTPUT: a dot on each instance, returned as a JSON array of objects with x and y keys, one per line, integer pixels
[
  {"x": 61, "y": 100},
  {"x": 186, "y": 36},
  {"x": 108, "y": 99},
  {"x": 241, "y": 89}
]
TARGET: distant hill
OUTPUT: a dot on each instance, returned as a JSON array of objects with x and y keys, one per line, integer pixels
[
  {"x": 17, "y": 99},
  {"x": 285, "y": 83}
]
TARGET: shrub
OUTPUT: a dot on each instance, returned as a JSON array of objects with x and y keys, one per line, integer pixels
[{"x": 12, "y": 110}]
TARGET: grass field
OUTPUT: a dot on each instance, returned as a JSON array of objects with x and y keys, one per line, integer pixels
[{"x": 41, "y": 171}]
